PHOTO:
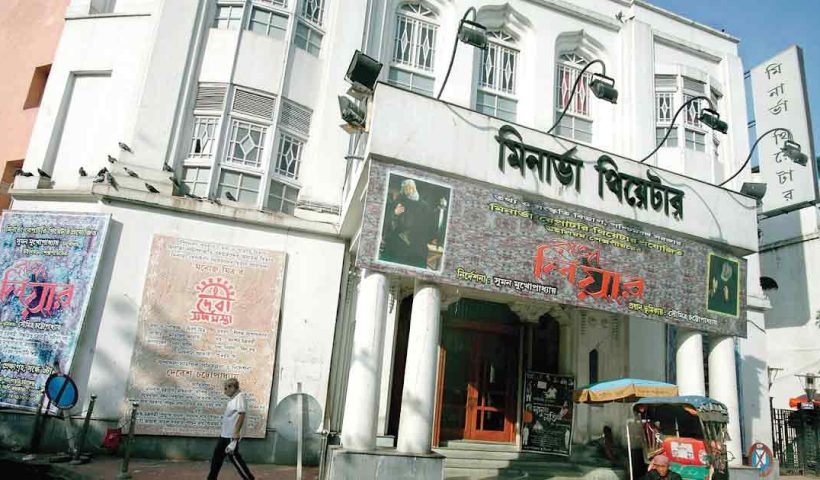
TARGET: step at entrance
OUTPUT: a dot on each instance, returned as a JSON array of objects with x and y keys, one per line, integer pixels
[{"x": 468, "y": 460}]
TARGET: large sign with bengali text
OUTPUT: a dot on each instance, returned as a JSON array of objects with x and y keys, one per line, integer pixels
[
  {"x": 209, "y": 312},
  {"x": 49, "y": 262},
  {"x": 468, "y": 234}
]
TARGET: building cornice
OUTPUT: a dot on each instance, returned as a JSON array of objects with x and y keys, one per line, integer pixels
[
  {"x": 108, "y": 194},
  {"x": 688, "y": 47},
  {"x": 588, "y": 16},
  {"x": 791, "y": 241},
  {"x": 685, "y": 21}
]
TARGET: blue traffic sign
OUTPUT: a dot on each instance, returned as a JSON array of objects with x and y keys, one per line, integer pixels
[{"x": 61, "y": 390}]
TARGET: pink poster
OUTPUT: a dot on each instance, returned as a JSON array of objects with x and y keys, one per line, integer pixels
[{"x": 209, "y": 312}]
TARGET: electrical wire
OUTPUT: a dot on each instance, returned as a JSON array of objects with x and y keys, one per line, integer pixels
[
  {"x": 574, "y": 87},
  {"x": 749, "y": 157},
  {"x": 455, "y": 47}
]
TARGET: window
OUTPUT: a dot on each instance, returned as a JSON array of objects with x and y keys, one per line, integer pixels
[
  {"x": 282, "y": 197},
  {"x": 196, "y": 180},
  {"x": 664, "y": 106},
  {"x": 204, "y": 135},
  {"x": 695, "y": 140},
  {"x": 228, "y": 17},
  {"x": 411, "y": 81},
  {"x": 692, "y": 112},
  {"x": 288, "y": 155},
  {"x": 313, "y": 10},
  {"x": 496, "y": 105},
  {"x": 243, "y": 187},
  {"x": 574, "y": 124},
  {"x": 671, "y": 140},
  {"x": 593, "y": 366},
  {"x": 308, "y": 38},
  {"x": 268, "y": 23},
  {"x": 415, "y": 37},
  {"x": 246, "y": 144}
]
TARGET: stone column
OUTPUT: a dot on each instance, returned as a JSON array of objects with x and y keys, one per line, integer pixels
[
  {"x": 362, "y": 401},
  {"x": 689, "y": 360},
  {"x": 419, "y": 391},
  {"x": 565, "y": 350},
  {"x": 723, "y": 388}
]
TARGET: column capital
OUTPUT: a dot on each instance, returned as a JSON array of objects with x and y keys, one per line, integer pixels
[
  {"x": 448, "y": 299},
  {"x": 528, "y": 312}
]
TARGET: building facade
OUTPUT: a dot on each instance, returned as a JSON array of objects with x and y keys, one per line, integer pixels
[{"x": 214, "y": 125}]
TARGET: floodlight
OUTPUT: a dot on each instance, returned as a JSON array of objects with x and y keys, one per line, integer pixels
[
  {"x": 363, "y": 73},
  {"x": 473, "y": 33},
  {"x": 603, "y": 87},
  {"x": 754, "y": 190},
  {"x": 352, "y": 114},
  {"x": 711, "y": 119},
  {"x": 793, "y": 151}
]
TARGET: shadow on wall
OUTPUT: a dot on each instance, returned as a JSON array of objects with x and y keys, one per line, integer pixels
[{"x": 787, "y": 266}]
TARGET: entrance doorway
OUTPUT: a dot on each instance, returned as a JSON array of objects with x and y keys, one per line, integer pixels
[{"x": 478, "y": 372}]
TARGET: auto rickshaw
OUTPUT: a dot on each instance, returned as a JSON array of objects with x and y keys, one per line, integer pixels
[{"x": 690, "y": 430}]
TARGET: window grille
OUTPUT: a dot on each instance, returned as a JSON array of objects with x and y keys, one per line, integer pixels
[
  {"x": 664, "y": 106},
  {"x": 210, "y": 97},
  {"x": 568, "y": 68},
  {"x": 415, "y": 39},
  {"x": 498, "y": 65},
  {"x": 295, "y": 117},
  {"x": 692, "y": 112},
  {"x": 313, "y": 10},
  {"x": 243, "y": 187},
  {"x": 251, "y": 103},
  {"x": 288, "y": 155},
  {"x": 204, "y": 135},
  {"x": 282, "y": 197},
  {"x": 246, "y": 144}
]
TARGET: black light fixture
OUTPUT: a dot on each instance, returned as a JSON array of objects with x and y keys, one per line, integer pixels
[
  {"x": 793, "y": 151},
  {"x": 790, "y": 148},
  {"x": 469, "y": 32},
  {"x": 603, "y": 87},
  {"x": 363, "y": 73},
  {"x": 754, "y": 190},
  {"x": 711, "y": 118},
  {"x": 352, "y": 114},
  {"x": 472, "y": 33}
]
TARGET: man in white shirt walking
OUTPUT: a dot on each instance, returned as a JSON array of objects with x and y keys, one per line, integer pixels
[{"x": 228, "y": 443}]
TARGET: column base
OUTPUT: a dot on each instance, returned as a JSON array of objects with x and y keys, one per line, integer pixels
[{"x": 384, "y": 464}]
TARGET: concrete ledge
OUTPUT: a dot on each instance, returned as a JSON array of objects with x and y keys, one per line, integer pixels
[{"x": 384, "y": 464}]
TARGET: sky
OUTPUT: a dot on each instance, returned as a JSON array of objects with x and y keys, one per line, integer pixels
[{"x": 765, "y": 28}]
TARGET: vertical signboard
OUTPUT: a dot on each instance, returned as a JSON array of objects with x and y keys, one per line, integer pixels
[
  {"x": 780, "y": 101},
  {"x": 209, "y": 312},
  {"x": 547, "y": 413},
  {"x": 49, "y": 262}
]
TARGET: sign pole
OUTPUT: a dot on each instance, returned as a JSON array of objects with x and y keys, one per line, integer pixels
[
  {"x": 124, "y": 475},
  {"x": 299, "y": 439}
]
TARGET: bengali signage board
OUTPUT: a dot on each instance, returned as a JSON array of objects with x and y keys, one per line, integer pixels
[
  {"x": 468, "y": 234},
  {"x": 49, "y": 262},
  {"x": 546, "y": 416},
  {"x": 780, "y": 101},
  {"x": 209, "y": 312}
]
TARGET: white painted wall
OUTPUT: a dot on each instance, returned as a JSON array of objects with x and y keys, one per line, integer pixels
[{"x": 313, "y": 271}]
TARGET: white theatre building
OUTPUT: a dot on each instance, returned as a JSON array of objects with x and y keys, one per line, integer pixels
[{"x": 446, "y": 252}]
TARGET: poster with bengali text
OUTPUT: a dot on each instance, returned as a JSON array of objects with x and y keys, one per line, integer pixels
[
  {"x": 49, "y": 262},
  {"x": 209, "y": 312}
]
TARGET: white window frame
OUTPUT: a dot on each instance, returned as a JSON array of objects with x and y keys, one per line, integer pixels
[
  {"x": 417, "y": 18},
  {"x": 236, "y": 122},
  {"x": 500, "y": 49},
  {"x": 286, "y": 185},
  {"x": 191, "y": 186},
  {"x": 236, "y": 189},
  {"x": 279, "y": 32},
  {"x": 567, "y": 68},
  {"x": 291, "y": 171},
  {"x": 313, "y": 12},
  {"x": 663, "y": 118},
  {"x": 311, "y": 33},
  {"x": 233, "y": 22},
  {"x": 698, "y": 138},
  {"x": 209, "y": 149}
]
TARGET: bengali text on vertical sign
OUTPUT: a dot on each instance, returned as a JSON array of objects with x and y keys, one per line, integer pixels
[
  {"x": 49, "y": 262},
  {"x": 209, "y": 312},
  {"x": 780, "y": 101}
]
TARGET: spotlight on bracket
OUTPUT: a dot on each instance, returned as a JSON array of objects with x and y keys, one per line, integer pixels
[
  {"x": 711, "y": 119},
  {"x": 603, "y": 87},
  {"x": 473, "y": 33},
  {"x": 353, "y": 115},
  {"x": 793, "y": 151},
  {"x": 754, "y": 190},
  {"x": 362, "y": 74}
]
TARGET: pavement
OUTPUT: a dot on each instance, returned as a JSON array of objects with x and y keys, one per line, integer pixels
[{"x": 108, "y": 468}]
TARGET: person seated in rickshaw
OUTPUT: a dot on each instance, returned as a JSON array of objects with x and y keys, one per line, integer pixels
[{"x": 659, "y": 469}]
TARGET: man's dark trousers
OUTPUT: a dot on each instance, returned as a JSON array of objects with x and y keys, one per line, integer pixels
[{"x": 219, "y": 457}]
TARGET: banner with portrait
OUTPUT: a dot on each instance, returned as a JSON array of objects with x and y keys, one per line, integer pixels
[
  {"x": 209, "y": 312},
  {"x": 473, "y": 235},
  {"x": 547, "y": 413},
  {"x": 49, "y": 262}
]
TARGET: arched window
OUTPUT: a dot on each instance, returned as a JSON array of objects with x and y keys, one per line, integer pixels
[
  {"x": 414, "y": 48},
  {"x": 577, "y": 123},
  {"x": 498, "y": 76},
  {"x": 593, "y": 366}
]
